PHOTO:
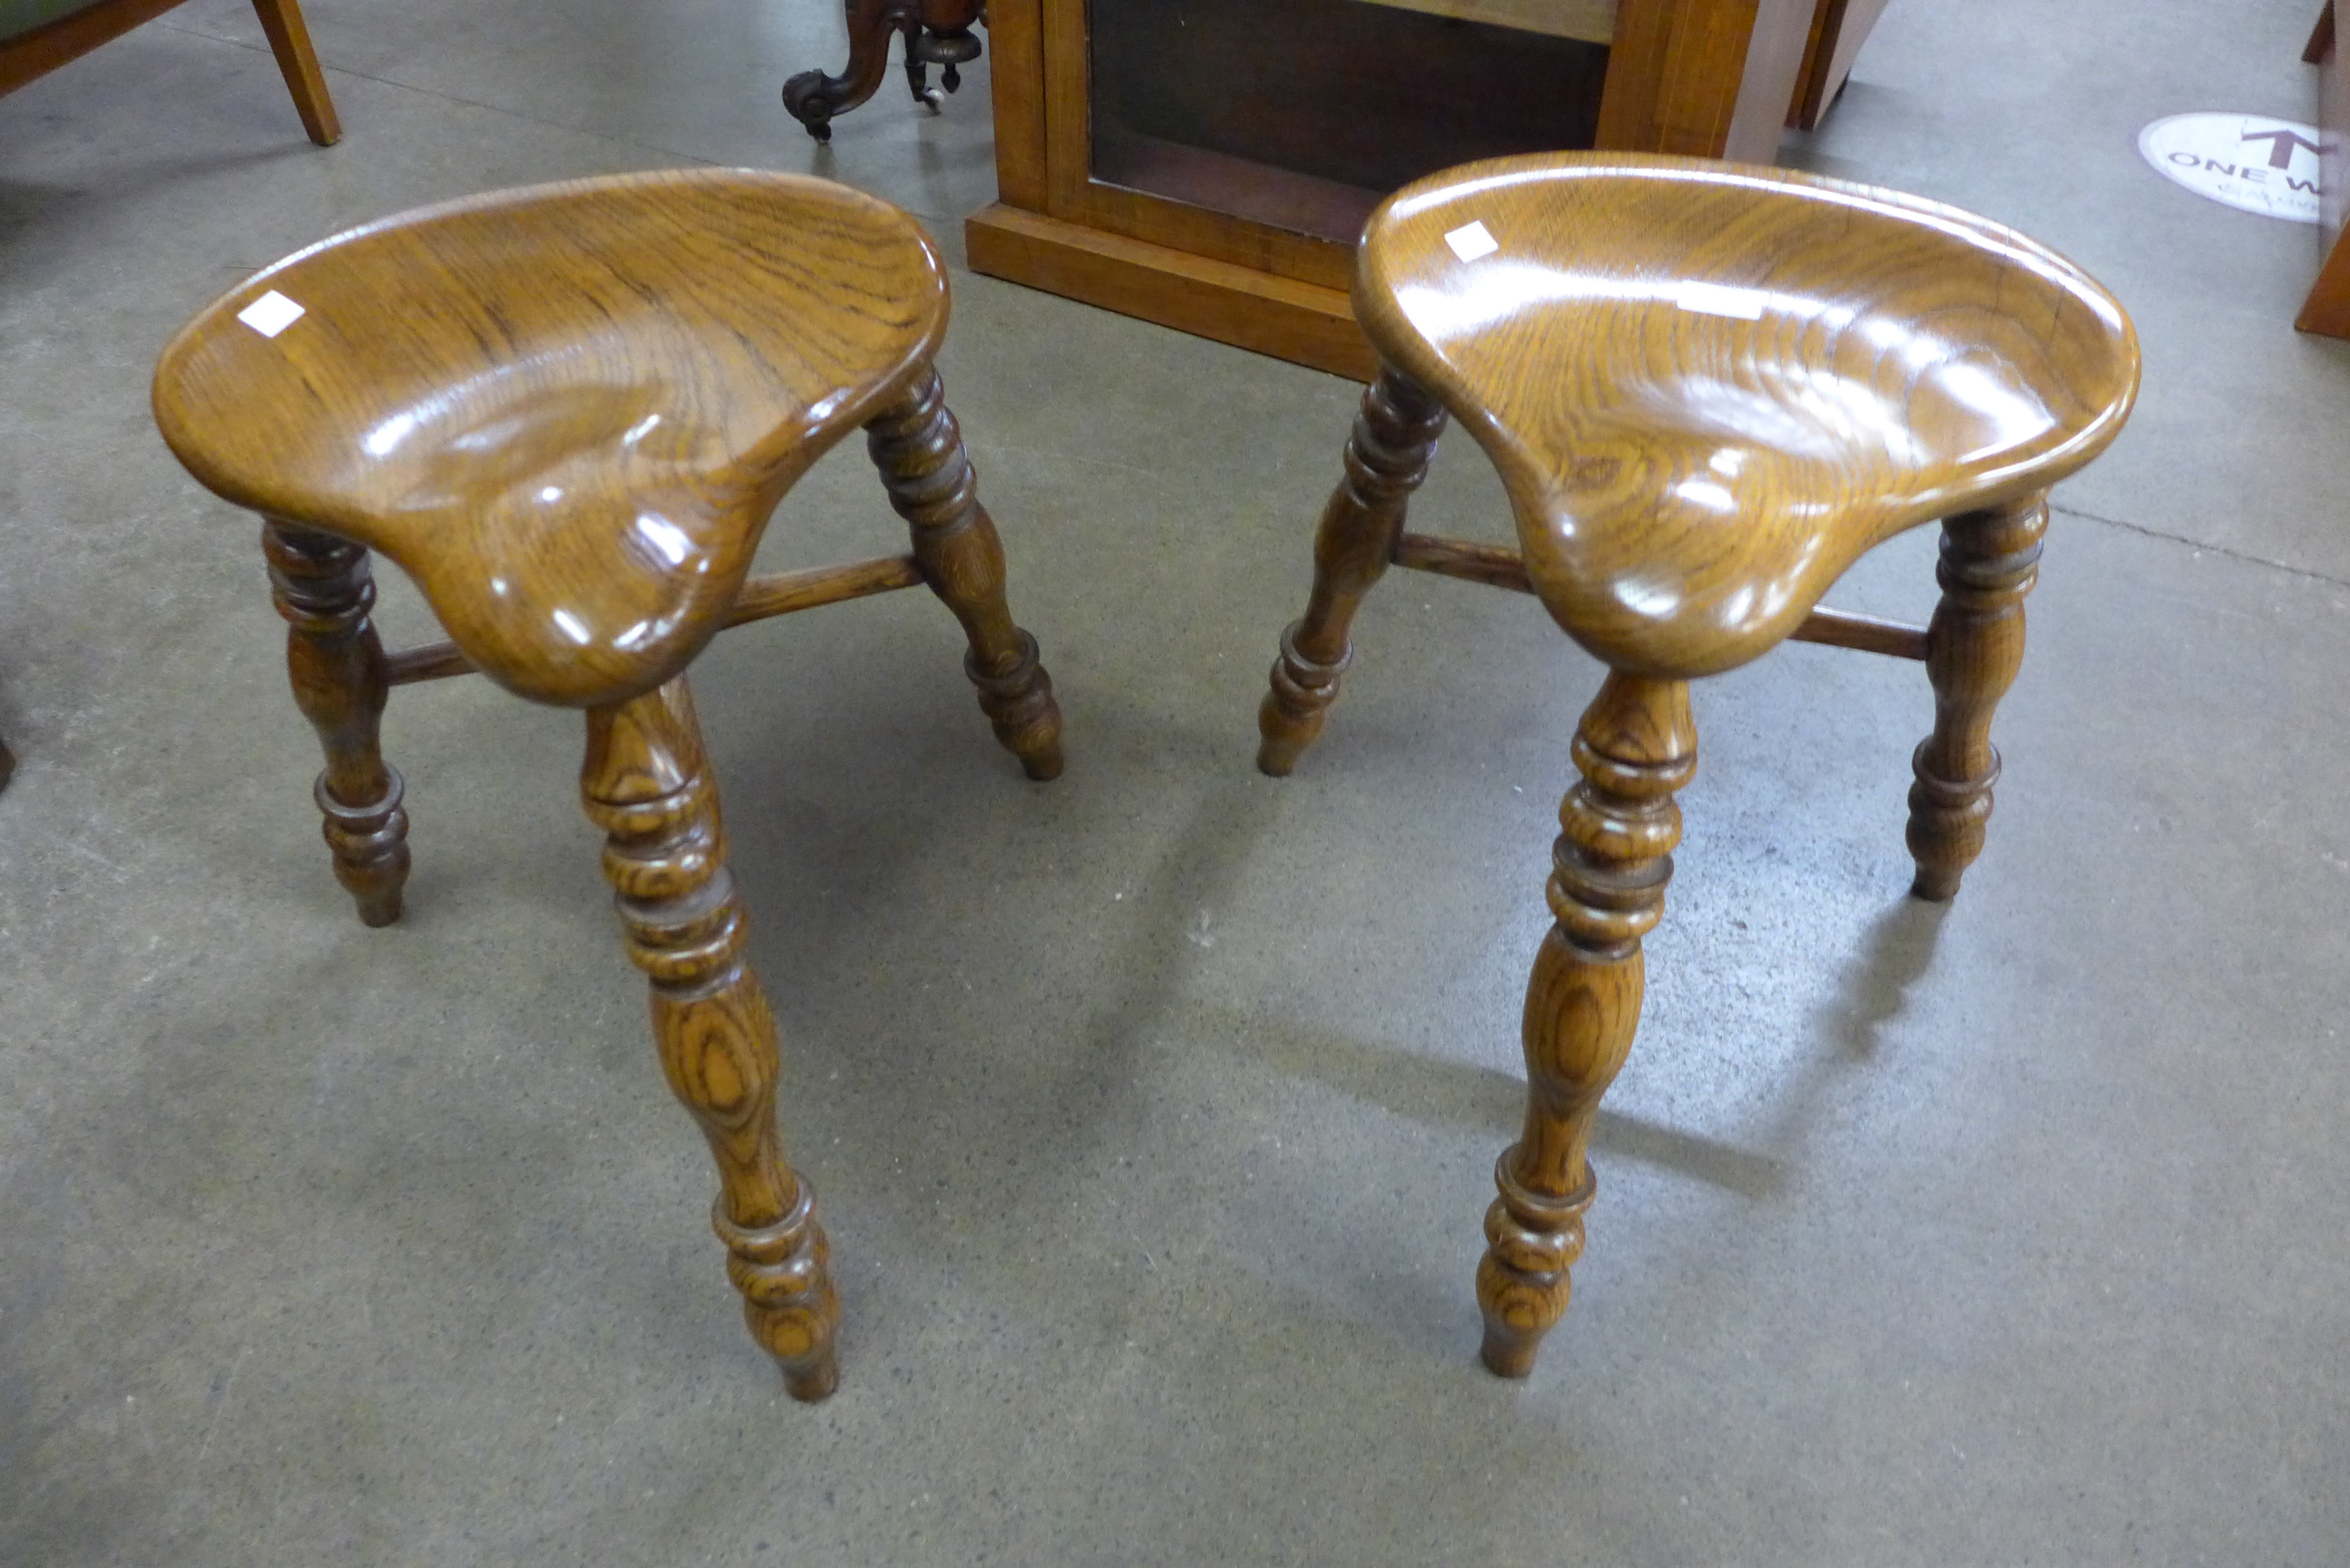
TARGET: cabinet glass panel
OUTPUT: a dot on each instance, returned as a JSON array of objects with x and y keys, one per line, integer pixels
[{"x": 1301, "y": 114}]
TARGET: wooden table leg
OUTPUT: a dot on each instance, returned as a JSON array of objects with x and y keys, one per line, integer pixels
[
  {"x": 936, "y": 31},
  {"x": 647, "y": 783},
  {"x": 289, "y": 40},
  {"x": 1636, "y": 747}
]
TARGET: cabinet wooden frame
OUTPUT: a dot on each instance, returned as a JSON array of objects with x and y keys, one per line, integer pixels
[
  {"x": 1707, "y": 78},
  {"x": 2327, "y": 312},
  {"x": 1838, "y": 29}
]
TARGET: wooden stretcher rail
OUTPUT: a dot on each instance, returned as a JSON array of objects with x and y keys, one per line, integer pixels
[
  {"x": 760, "y": 599},
  {"x": 1492, "y": 564},
  {"x": 789, "y": 591},
  {"x": 1842, "y": 628},
  {"x": 1500, "y": 567},
  {"x": 425, "y": 661}
]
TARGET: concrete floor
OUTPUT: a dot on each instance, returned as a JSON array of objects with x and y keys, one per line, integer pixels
[{"x": 1152, "y": 1111}]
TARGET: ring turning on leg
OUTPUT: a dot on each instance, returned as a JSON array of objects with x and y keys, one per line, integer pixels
[
  {"x": 927, "y": 45},
  {"x": 647, "y": 785},
  {"x": 1974, "y": 646},
  {"x": 1387, "y": 458},
  {"x": 1636, "y": 746},
  {"x": 928, "y": 473},
  {"x": 322, "y": 586}
]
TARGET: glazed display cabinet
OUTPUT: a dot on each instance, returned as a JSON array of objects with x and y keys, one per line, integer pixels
[{"x": 1207, "y": 164}]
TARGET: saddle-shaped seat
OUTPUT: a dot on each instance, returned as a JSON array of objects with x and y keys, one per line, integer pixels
[
  {"x": 1710, "y": 388},
  {"x": 567, "y": 413}
]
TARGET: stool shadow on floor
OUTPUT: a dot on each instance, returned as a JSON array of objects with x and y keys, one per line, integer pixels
[
  {"x": 1897, "y": 949},
  {"x": 1431, "y": 1089},
  {"x": 129, "y": 181},
  {"x": 1100, "y": 1087},
  {"x": 1898, "y": 952}
]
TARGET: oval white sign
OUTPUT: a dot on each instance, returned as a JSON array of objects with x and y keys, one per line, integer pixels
[{"x": 2248, "y": 161}]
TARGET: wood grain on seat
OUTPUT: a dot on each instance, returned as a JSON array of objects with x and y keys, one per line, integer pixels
[
  {"x": 1688, "y": 481},
  {"x": 565, "y": 411}
]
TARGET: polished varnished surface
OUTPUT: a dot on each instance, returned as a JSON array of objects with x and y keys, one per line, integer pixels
[
  {"x": 1688, "y": 481},
  {"x": 565, "y": 411},
  {"x": 562, "y": 407},
  {"x": 1706, "y": 392},
  {"x": 646, "y": 782}
]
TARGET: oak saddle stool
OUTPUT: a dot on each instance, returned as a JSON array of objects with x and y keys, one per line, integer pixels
[
  {"x": 567, "y": 413},
  {"x": 1708, "y": 390}
]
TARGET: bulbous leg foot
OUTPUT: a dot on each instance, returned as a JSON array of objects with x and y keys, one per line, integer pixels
[{"x": 928, "y": 473}]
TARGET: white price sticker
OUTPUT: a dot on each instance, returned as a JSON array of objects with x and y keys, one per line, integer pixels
[
  {"x": 270, "y": 315},
  {"x": 1471, "y": 242}
]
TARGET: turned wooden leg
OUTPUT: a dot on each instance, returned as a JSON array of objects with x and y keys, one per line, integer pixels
[
  {"x": 648, "y": 786},
  {"x": 1387, "y": 458},
  {"x": 289, "y": 40},
  {"x": 917, "y": 68},
  {"x": 323, "y": 589},
  {"x": 944, "y": 40},
  {"x": 1636, "y": 747},
  {"x": 1974, "y": 646},
  {"x": 929, "y": 476},
  {"x": 813, "y": 98}
]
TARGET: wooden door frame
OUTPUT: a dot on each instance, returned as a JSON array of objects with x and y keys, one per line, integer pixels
[{"x": 1074, "y": 194}]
